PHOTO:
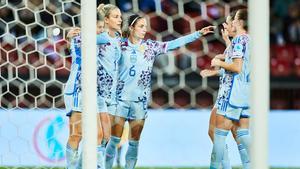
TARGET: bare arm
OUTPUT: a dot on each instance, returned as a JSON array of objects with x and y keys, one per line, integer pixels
[{"x": 209, "y": 73}]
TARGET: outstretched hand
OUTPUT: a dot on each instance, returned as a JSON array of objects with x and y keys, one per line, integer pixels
[{"x": 207, "y": 30}]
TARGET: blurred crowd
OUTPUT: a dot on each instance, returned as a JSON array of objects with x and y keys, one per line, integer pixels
[{"x": 285, "y": 22}]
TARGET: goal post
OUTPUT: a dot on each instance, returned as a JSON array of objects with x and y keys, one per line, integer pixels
[
  {"x": 259, "y": 32},
  {"x": 89, "y": 83}
]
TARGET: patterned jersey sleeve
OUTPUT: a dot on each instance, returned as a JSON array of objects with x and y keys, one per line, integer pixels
[
  {"x": 239, "y": 46},
  {"x": 176, "y": 43},
  {"x": 75, "y": 46},
  {"x": 157, "y": 46}
]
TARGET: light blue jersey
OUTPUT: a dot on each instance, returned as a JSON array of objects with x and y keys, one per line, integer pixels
[
  {"x": 107, "y": 73},
  {"x": 73, "y": 85},
  {"x": 136, "y": 65},
  {"x": 235, "y": 87},
  {"x": 222, "y": 73},
  {"x": 72, "y": 91}
]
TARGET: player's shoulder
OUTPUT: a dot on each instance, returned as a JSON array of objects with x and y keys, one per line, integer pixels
[
  {"x": 150, "y": 43},
  {"x": 242, "y": 39}
]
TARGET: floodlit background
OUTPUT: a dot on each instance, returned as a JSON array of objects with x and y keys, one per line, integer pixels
[{"x": 35, "y": 64}]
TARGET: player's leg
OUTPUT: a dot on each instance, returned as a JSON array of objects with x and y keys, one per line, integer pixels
[
  {"x": 242, "y": 137},
  {"x": 106, "y": 128},
  {"x": 212, "y": 123},
  {"x": 224, "y": 122},
  {"x": 211, "y": 130},
  {"x": 103, "y": 131},
  {"x": 117, "y": 120},
  {"x": 136, "y": 128},
  {"x": 116, "y": 133},
  {"x": 75, "y": 135},
  {"x": 137, "y": 117}
]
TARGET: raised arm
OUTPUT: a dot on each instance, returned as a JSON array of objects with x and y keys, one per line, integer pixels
[
  {"x": 189, "y": 38},
  {"x": 102, "y": 38},
  {"x": 72, "y": 33}
]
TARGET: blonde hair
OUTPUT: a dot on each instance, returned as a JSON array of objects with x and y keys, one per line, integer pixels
[{"x": 104, "y": 10}]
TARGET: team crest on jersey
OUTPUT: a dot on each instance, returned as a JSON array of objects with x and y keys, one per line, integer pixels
[
  {"x": 142, "y": 48},
  {"x": 238, "y": 47},
  {"x": 133, "y": 58}
]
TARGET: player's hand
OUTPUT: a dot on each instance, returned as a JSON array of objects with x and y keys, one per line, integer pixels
[
  {"x": 207, "y": 30},
  {"x": 206, "y": 73},
  {"x": 215, "y": 62},
  {"x": 225, "y": 34},
  {"x": 73, "y": 32},
  {"x": 220, "y": 56}
]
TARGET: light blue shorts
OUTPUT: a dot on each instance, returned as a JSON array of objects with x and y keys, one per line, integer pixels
[
  {"x": 131, "y": 110},
  {"x": 73, "y": 102},
  {"x": 234, "y": 113}
]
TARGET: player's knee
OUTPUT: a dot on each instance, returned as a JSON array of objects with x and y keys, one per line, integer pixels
[
  {"x": 100, "y": 135},
  {"x": 136, "y": 134},
  {"x": 75, "y": 139},
  {"x": 106, "y": 136}
]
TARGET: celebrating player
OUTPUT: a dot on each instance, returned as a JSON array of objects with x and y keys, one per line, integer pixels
[
  {"x": 233, "y": 97},
  {"x": 134, "y": 88},
  {"x": 73, "y": 94},
  {"x": 108, "y": 55},
  {"x": 227, "y": 32}
]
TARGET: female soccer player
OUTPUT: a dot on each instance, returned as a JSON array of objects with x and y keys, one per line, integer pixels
[
  {"x": 72, "y": 97},
  {"x": 108, "y": 55},
  {"x": 107, "y": 73},
  {"x": 134, "y": 82},
  {"x": 227, "y": 32},
  {"x": 233, "y": 97}
]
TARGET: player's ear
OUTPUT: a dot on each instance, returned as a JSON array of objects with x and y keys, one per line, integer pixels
[
  {"x": 105, "y": 20},
  {"x": 130, "y": 28}
]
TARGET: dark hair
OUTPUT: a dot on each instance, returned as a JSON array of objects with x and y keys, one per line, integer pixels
[
  {"x": 232, "y": 15},
  {"x": 131, "y": 21},
  {"x": 243, "y": 15}
]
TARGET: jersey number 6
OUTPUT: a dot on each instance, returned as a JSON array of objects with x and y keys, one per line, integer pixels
[{"x": 132, "y": 71}]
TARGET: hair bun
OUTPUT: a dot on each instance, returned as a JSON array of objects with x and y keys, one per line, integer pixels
[{"x": 101, "y": 9}]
